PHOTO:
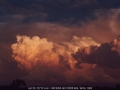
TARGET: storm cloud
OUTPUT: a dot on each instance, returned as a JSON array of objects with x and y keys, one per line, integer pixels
[
  {"x": 59, "y": 41},
  {"x": 105, "y": 55}
]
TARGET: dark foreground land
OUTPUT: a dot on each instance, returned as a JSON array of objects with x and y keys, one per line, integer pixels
[
  {"x": 21, "y": 85},
  {"x": 56, "y": 88}
]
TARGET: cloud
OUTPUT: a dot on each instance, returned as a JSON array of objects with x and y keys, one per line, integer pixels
[
  {"x": 46, "y": 60},
  {"x": 97, "y": 28},
  {"x": 54, "y": 11},
  {"x": 104, "y": 58},
  {"x": 42, "y": 52},
  {"x": 105, "y": 55},
  {"x": 29, "y": 51}
]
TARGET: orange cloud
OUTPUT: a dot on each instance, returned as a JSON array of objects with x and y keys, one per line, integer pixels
[
  {"x": 28, "y": 51},
  {"x": 49, "y": 61}
]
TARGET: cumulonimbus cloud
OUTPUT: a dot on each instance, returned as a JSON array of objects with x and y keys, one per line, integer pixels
[
  {"x": 48, "y": 61},
  {"x": 40, "y": 57},
  {"x": 28, "y": 51}
]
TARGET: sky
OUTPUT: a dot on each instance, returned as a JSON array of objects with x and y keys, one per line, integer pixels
[{"x": 60, "y": 42}]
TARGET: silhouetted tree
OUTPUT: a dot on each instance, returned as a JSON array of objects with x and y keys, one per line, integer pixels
[{"x": 18, "y": 83}]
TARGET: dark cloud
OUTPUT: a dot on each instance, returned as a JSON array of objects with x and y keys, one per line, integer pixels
[
  {"x": 104, "y": 58},
  {"x": 61, "y": 11},
  {"x": 107, "y": 22},
  {"x": 102, "y": 55}
]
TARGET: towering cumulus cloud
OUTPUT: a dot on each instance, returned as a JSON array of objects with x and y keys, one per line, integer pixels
[
  {"x": 77, "y": 60},
  {"x": 49, "y": 61},
  {"x": 28, "y": 51}
]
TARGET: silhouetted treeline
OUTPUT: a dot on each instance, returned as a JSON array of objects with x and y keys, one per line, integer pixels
[
  {"x": 21, "y": 85},
  {"x": 15, "y": 85}
]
